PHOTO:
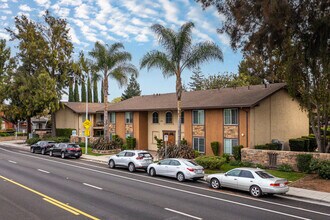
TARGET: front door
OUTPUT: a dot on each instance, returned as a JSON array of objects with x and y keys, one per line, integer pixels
[{"x": 170, "y": 137}]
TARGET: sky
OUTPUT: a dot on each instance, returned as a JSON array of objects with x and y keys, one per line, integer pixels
[{"x": 129, "y": 22}]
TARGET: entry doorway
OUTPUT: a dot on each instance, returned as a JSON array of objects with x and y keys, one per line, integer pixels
[{"x": 170, "y": 137}]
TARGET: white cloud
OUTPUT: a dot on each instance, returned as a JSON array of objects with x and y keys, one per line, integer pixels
[
  {"x": 4, "y": 36},
  {"x": 8, "y": 12},
  {"x": 25, "y": 8},
  {"x": 171, "y": 11},
  {"x": 106, "y": 11},
  {"x": 43, "y": 3},
  {"x": 82, "y": 11},
  {"x": 4, "y": 6},
  {"x": 61, "y": 11},
  {"x": 98, "y": 25},
  {"x": 73, "y": 35},
  {"x": 3, "y": 18},
  {"x": 141, "y": 38},
  {"x": 70, "y": 2}
]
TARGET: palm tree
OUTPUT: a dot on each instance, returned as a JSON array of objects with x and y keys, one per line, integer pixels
[
  {"x": 113, "y": 62},
  {"x": 179, "y": 54}
]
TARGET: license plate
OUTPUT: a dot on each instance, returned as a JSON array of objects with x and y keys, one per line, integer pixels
[
  {"x": 198, "y": 171},
  {"x": 281, "y": 185},
  {"x": 76, "y": 154}
]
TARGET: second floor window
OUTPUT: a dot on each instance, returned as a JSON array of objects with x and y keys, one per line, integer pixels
[
  {"x": 198, "y": 117},
  {"x": 168, "y": 117},
  {"x": 112, "y": 117},
  {"x": 155, "y": 117},
  {"x": 231, "y": 116},
  {"x": 128, "y": 117}
]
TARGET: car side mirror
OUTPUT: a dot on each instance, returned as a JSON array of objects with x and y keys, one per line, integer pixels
[
  {"x": 158, "y": 163},
  {"x": 226, "y": 174},
  {"x": 117, "y": 155}
]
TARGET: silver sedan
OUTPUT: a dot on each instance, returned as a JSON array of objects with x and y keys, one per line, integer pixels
[
  {"x": 181, "y": 169},
  {"x": 254, "y": 180}
]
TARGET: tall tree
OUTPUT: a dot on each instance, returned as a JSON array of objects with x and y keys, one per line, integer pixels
[
  {"x": 71, "y": 96},
  {"x": 95, "y": 79},
  {"x": 301, "y": 36},
  {"x": 102, "y": 92},
  {"x": 133, "y": 89},
  {"x": 45, "y": 46},
  {"x": 83, "y": 90},
  {"x": 89, "y": 90},
  {"x": 179, "y": 54},
  {"x": 196, "y": 80},
  {"x": 76, "y": 92},
  {"x": 7, "y": 65},
  {"x": 114, "y": 63}
]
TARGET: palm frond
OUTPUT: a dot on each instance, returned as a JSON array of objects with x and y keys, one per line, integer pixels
[
  {"x": 114, "y": 48},
  {"x": 200, "y": 53},
  {"x": 166, "y": 37},
  {"x": 157, "y": 59},
  {"x": 184, "y": 39}
]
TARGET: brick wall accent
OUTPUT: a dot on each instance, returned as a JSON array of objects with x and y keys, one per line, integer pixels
[
  {"x": 283, "y": 157},
  {"x": 11, "y": 138}
]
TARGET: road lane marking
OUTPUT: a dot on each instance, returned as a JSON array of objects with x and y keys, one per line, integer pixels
[
  {"x": 44, "y": 171},
  {"x": 62, "y": 207},
  {"x": 50, "y": 199},
  {"x": 182, "y": 213},
  {"x": 95, "y": 187},
  {"x": 10, "y": 161},
  {"x": 150, "y": 183}
]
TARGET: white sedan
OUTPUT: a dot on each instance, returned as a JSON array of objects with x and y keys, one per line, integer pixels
[
  {"x": 254, "y": 180},
  {"x": 181, "y": 169}
]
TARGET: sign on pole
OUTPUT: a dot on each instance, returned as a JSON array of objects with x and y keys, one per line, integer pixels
[
  {"x": 87, "y": 124},
  {"x": 165, "y": 137}
]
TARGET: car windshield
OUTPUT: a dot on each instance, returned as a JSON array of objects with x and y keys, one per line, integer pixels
[
  {"x": 264, "y": 175},
  {"x": 146, "y": 155},
  {"x": 190, "y": 163},
  {"x": 73, "y": 146}
]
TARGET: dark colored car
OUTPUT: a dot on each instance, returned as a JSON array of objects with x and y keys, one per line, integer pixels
[
  {"x": 42, "y": 147},
  {"x": 65, "y": 150}
]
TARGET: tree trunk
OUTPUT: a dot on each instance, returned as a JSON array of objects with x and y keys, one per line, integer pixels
[
  {"x": 53, "y": 124},
  {"x": 29, "y": 126},
  {"x": 178, "y": 96},
  {"x": 105, "y": 112}
]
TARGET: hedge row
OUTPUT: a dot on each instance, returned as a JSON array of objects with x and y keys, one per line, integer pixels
[
  {"x": 211, "y": 162},
  {"x": 64, "y": 132},
  {"x": 269, "y": 146},
  {"x": 305, "y": 143}
]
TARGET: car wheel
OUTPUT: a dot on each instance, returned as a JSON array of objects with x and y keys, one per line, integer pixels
[
  {"x": 152, "y": 172},
  {"x": 131, "y": 167},
  {"x": 77, "y": 157},
  {"x": 180, "y": 177},
  {"x": 32, "y": 150},
  {"x": 255, "y": 191},
  {"x": 112, "y": 164},
  {"x": 215, "y": 183},
  {"x": 51, "y": 153},
  {"x": 62, "y": 155},
  {"x": 43, "y": 152}
]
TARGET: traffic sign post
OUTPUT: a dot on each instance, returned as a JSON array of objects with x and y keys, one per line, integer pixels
[{"x": 165, "y": 140}]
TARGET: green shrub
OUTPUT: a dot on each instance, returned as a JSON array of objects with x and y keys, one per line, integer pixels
[
  {"x": 312, "y": 143},
  {"x": 234, "y": 163},
  {"x": 160, "y": 142},
  {"x": 237, "y": 152},
  {"x": 303, "y": 162},
  {"x": 211, "y": 162},
  {"x": 31, "y": 141},
  {"x": 246, "y": 164},
  {"x": 285, "y": 168},
  {"x": 227, "y": 157},
  {"x": 174, "y": 151},
  {"x": 58, "y": 139},
  {"x": 64, "y": 132},
  {"x": 261, "y": 147},
  {"x": 131, "y": 143},
  {"x": 184, "y": 142},
  {"x": 324, "y": 171},
  {"x": 4, "y": 134},
  {"x": 297, "y": 144},
  {"x": 274, "y": 146},
  {"x": 197, "y": 153},
  {"x": 258, "y": 165},
  {"x": 215, "y": 147}
]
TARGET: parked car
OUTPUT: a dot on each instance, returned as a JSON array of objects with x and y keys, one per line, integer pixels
[
  {"x": 42, "y": 147},
  {"x": 181, "y": 169},
  {"x": 254, "y": 180},
  {"x": 132, "y": 159},
  {"x": 65, "y": 150}
]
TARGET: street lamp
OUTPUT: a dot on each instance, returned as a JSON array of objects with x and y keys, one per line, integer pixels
[{"x": 86, "y": 138}]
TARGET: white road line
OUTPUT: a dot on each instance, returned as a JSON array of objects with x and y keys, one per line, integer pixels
[
  {"x": 23, "y": 151},
  {"x": 10, "y": 161},
  {"x": 182, "y": 213},
  {"x": 44, "y": 171},
  {"x": 95, "y": 187},
  {"x": 175, "y": 189}
]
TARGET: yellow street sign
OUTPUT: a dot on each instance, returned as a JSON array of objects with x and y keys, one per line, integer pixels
[
  {"x": 87, "y": 123},
  {"x": 87, "y": 133}
]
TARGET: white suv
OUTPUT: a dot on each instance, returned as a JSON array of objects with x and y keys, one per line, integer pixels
[{"x": 133, "y": 159}]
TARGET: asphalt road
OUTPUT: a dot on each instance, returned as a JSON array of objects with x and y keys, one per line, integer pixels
[{"x": 34, "y": 186}]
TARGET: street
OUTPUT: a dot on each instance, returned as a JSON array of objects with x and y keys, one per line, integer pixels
[{"x": 34, "y": 186}]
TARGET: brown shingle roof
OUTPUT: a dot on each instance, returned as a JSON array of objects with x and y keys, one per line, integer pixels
[
  {"x": 207, "y": 99},
  {"x": 80, "y": 107}
]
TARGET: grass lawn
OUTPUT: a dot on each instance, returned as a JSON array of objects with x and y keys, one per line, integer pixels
[
  {"x": 290, "y": 176},
  {"x": 89, "y": 151}
]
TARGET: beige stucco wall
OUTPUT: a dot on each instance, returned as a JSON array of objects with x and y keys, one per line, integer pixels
[
  {"x": 157, "y": 129},
  {"x": 277, "y": 117}
]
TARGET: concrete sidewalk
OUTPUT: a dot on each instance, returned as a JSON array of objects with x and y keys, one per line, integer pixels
[{"x": 294, "y": 193}]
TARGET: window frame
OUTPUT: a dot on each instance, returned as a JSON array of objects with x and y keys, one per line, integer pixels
[
  {"x": 153, "y": 117},
  {"x": 232, "y": 145},
  {"x": 129, "y": 120},
  {"x": 200, "y": 120},
  {"x": 114, "y": 117},
  {"x": 230, "y": 116},
  {"x": 166, "y": 122},
  {"x": 198, "y": 148}
]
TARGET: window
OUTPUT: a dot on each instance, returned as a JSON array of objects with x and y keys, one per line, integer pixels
[
  {"x": 155, "y": 118},
  {"x": 165, "y": 162},
  {"x": 112, "y": 117},
  {"x": 182, "y": 117},
  {"x": 246, "y": 174},
  {"x": 129, "y": 154},
  {"x": 264, "y": 175},
  {"x": 199, "y": 144},
  {"x": 228, "y": 146},
  {"x": 231, "y": 116},
  {"x": 233, "y": 173},
  {"x": 198, "y": 117},
  {"x": 168, "y": 117},
  {"x": 128, "y": 117},
  {"x": 175, "y": 163}
]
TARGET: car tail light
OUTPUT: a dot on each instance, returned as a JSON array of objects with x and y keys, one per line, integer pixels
[
  {"x": 71, "y": 149},
  {"x": 190, "y": 169},
  {"x": 274, "y": 184},
  {"x": 139, "y": 158},
  {"x": 286, "y": 183}
]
